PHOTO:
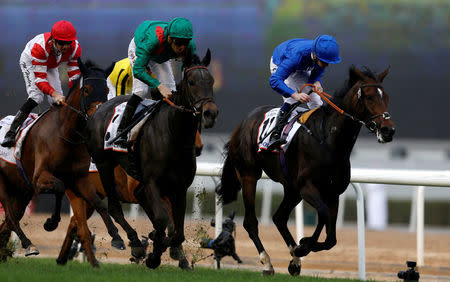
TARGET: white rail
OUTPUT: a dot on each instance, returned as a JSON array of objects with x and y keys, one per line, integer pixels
[{"x": 422, "y": 178}]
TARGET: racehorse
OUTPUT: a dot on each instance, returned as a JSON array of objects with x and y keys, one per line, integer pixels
[
  {"x": 164, "y": 154},
  {"x": 54, "y": 158},
  {"x": 317, "y": 162}
]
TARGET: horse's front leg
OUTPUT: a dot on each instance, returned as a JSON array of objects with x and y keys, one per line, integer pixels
[
  {"x": 14, "y": 211},
  {"x": 330, "y": 240},
  {"x": 280, "y": 218},
  {"x": 106, "y": 173},
  {"x": 46, "y": 183},
  {"x": 158, "y": 210},
  {"x": 88, "y": 191},
  {"x": 78, "y": 224},
  {"x": 311, "y": 194},
  {"x": 52, "y": 222},
  {"x": 176, "y": 229},
  {"x": 251, "y": 221}
]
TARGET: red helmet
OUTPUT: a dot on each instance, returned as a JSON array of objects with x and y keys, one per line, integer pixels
[{"x": 64, "y": 31}]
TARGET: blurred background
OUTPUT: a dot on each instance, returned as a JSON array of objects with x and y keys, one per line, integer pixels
[{"x": 411, "y": 37}]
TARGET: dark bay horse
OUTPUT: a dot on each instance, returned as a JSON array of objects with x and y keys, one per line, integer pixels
[
  {"x": 54, "y": 158},
  {"x": 164, "y": 153},
  {"x": 318, "y": 164}
]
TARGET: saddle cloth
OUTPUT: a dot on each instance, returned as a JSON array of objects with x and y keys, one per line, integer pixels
[
  {"x": 113, "y": 125},
  {"x": 297, "y": 117},
  {"x": 11, "y": 154}
]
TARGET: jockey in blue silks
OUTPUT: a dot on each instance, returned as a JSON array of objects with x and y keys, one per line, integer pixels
[{"x": 294, "y": 63}]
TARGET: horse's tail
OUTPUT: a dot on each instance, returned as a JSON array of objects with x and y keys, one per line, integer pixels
[{"x": 229, "y": 183}]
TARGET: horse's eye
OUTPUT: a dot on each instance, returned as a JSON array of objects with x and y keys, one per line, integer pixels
[{"x": 191, "y": 82}]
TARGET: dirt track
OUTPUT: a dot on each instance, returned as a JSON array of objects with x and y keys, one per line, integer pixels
[{"x": 386, "y": 252}]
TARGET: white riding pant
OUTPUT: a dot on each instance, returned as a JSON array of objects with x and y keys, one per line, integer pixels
[
  {"x": 30, "y": 80},
  {"x": 295, "y": 81},
  {"x": 163, "y": 72},
  {"x": 111, "y": 88}
]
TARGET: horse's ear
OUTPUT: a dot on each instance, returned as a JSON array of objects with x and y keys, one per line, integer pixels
[
  {"x": 109, "y": 69},
  {"x": 207, "y": 59},
  {"x": 382, "y": 75},
  {"x": 355, "y": 75},
  {"x": 82, "y": 66}
]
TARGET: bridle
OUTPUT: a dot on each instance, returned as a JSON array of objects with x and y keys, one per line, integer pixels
[
  {"x": 370, "y": 123},
  {"x": 192, "y": 108}
]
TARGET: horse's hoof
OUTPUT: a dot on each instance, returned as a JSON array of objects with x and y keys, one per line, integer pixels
[
  {"x": 304, "y": 241},
  {"x": 184, "y": 264},
  {"x": 118, "y": 244},
  {"x": 61, "y": 261},
  {"x": 31, "y": 251},
  {"x": 138, "y": 252},
  {"x": 95, "y": 264},
  {"x": 270, "y": 272},
  {"x": 294, "y": 269},
  {"x": 50, "y": 225},
  {"x": 153, "y": 261},
  {"x": 301, "y": 251}
]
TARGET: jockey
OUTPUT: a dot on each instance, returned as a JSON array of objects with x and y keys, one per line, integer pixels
[
  {"x": 120, "y": 80},
  {"x": 39, "y": 62},
  {"x": 153, "y": 45},
  {"x": 294, "y": 63}
]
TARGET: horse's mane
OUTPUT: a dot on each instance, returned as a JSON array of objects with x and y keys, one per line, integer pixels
[
  {"x": 339, "y": 95},
  {"x": 89, "y": 65}
]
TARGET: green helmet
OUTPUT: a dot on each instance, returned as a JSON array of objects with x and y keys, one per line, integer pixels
[{"x": 180, "y": 28}]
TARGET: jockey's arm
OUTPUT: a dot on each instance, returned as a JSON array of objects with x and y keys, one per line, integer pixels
[
  {"x": 142, "y": 60},
  {"x": 73, "y": 71},
  {"x": 284, "y": 70}
]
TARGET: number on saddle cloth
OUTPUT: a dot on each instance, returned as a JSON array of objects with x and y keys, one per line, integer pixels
[
  {"x": 294, "y": 121},
  {"x": 143, "y": 110}
]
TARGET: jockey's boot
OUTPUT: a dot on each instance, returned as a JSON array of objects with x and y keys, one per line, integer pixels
[
  {"x": 130, "y": 108},
  {"x": 275, "y": 138},
  {"x": 21, "y": 116}
]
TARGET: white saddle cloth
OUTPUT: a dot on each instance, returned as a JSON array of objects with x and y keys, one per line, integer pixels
[{"x": 11, "y": 154}]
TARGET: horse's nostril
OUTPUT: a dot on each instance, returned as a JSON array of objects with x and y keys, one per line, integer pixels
[
  {"x": 208, "y": 114},
  {"x": 387, "y": 131}
]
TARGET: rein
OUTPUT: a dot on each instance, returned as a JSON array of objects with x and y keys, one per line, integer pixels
[{"x": 370, "y": 124}]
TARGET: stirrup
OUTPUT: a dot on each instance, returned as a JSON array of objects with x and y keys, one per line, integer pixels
[
  {"x": 122, "y": 141},
  {"x": 275, "y": 144},
  {"x": 9, "y": 141}
]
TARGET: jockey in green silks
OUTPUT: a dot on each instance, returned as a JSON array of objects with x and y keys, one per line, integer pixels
[{"x": 154, "y": 44}]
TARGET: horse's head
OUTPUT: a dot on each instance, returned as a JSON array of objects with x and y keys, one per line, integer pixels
[
  {"x": 93, "y": 86},
  {"x": 369, "y": 102},
  {"x": 198, "y": 85}
]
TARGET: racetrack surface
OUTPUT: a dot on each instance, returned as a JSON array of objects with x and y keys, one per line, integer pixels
[{"x": 386, "y": 251}]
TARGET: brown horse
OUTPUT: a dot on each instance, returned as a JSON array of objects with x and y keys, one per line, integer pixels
[
  {"x": 317, "y": 162},
  {"x": 54, "y": 158},
  {"x": 125, "y": 186}
]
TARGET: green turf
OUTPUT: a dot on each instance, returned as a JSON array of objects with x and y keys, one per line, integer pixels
[{"x": 34, "y": 269}]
